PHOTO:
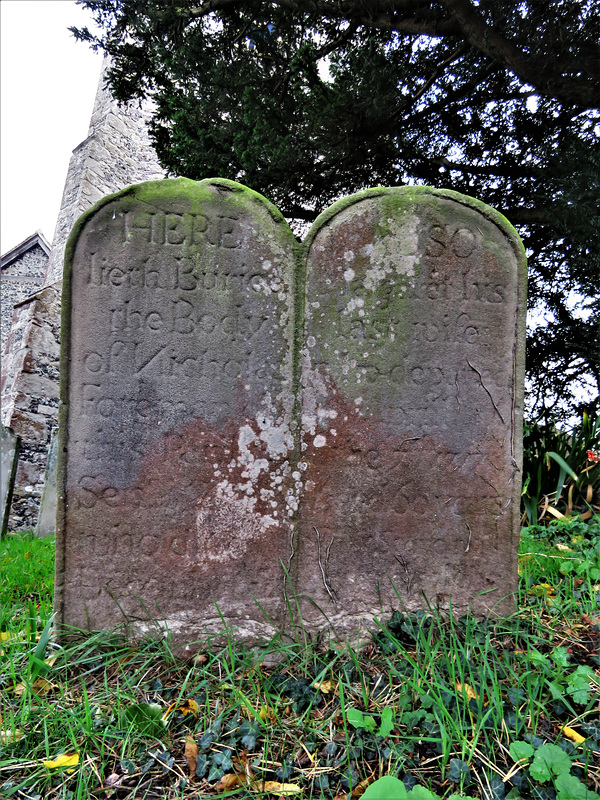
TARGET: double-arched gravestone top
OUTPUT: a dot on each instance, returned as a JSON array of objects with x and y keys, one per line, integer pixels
[{"x": 245, "y": 418}]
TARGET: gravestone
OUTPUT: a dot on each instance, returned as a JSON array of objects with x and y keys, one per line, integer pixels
[
  {"x": 243, "y": 417},
  {"x": 176, "y": 418},
  {"x": 46, "y": 523},
  {"x": 412, "y": 376},
  {"x": 9, "y": 457}
]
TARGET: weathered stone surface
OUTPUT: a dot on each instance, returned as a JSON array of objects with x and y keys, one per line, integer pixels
[
  {"x": 234, "y": 410},
  {"x": 9, "y": 456},
  {"x": 46, "y": 524},
  {"x": 30, "y": 394},
  {"x": 412, "y": 407},
  {"x": 176, "y": 439}
]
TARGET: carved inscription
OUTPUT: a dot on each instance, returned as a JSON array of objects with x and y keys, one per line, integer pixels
[
  {"x": 409, "y": 397},
  {"x": 179, "y": 407},
  {"x": 343, "y": 422}
]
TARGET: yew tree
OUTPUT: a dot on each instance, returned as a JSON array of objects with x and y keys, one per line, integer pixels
[{"x": 309, "y": 100}]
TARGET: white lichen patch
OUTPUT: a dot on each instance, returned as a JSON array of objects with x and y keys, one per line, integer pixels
[
  {"x": 313, "y": 394},
  {"x": 355, "y": 302},
  {"x": 375, "y": 275},
  {"x": 399, "y": 252},
  {"x": 326, "y": 413},
  {"x": 229, "y": 524},
  {"x": 349, "y": 274},
  {"x": 319, "y": 441}
]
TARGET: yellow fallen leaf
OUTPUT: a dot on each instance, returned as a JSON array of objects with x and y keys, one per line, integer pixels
[
  {"x": 573, "y": 735},
  {"x": 8, "y": 736},
  {"x": 267, "y": 714},
  {"x": 323, "y": 686},
  {"x": 467, "y": 690},
  {"x": 274, "y": 787},
  {"x": 564, "y": 547},
  {"x": 40, "y": 687},
  {"x": 187, "y": 707},
  {"x": 63, "y": 761},
  {"x": 541, "y": 590}
]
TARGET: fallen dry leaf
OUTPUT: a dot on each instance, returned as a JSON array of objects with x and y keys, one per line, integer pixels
[
  {"x": 9, "y": 736},
  {"x": 267, "y": 714},
  {"x": 230, "y": 781},
  {"x": 572, "y": 735},
  {"x": 587, "y": 620},
  {"x": 40, "y": 687},
  {"x": 323, "y": 686},
  {"x": 467, "y": 690},
  {"x": 359, "y": 790},
  {"x": 63, "y": 760},
  {"x": 274, "y": 787},
  {"x": 187, "y": 707},
  {"x": 191, "y": 754}
]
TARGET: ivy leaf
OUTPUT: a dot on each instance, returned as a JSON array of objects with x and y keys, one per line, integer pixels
[
  {"x": 387, "y": 788},
  {"x": 201, "y": 766},
  {"x": 459, "y": 770},
  {"x": 215, "y": 774},
  {"x": 592, "y": 729},
  {"x": 496, "y": 788},
  {"x": 549, "y": 760}
]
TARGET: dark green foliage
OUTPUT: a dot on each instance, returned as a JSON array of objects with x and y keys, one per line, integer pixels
[
  {"x": 307, "y": 101},
  {"x": 560, "y": 475}
]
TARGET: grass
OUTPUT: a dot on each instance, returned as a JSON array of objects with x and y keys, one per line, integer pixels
[{"x": 488, "y": 709}]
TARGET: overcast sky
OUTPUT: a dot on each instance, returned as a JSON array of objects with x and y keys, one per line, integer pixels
[{"x": 48, "y": 85}]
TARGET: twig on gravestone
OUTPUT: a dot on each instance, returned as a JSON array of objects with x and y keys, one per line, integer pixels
[
  {"x": 330, "y": 591},
  {"x": 408, "y": 580}
]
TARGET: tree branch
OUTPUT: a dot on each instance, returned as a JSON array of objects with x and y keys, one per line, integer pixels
[{"x": 548, "y": 81}]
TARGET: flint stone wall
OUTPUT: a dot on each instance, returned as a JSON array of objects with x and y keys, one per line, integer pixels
[{"x": 243, "y": 416}]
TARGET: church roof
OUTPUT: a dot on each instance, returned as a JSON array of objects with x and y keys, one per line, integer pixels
[{"x": 25, "y": 246}]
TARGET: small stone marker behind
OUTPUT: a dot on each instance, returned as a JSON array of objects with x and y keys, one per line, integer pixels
[
  {"x": 176, "y": 411},
  {"x": 242, "y": 416},
  {"x": 46, "y": 523},
  {"x": 9, "y": 457},
  {"x": 412, "y": 381}
]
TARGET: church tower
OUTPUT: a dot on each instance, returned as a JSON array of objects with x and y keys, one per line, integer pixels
[{"x": 116, "y": 153}]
